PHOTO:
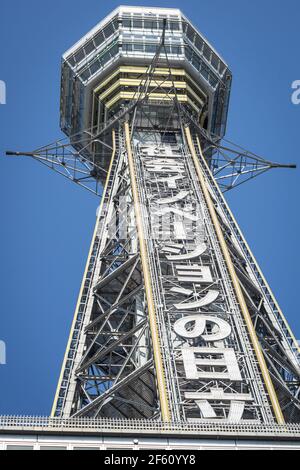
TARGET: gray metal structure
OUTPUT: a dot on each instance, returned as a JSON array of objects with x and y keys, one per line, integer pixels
[{"x": 175, "y": 322}]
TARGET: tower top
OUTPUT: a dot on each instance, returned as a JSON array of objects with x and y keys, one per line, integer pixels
[{"x": 129, "y": 36}]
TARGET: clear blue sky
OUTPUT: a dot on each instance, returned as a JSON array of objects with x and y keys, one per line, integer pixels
[{"x": 47, "y": 221}]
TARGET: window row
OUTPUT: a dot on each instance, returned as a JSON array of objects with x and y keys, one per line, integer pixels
[
  {"x": 200, "y": 66},
  {"x": 150, "y": 48},
  {"x": 194, "y": 37},
  {"x": 149, "y": 23},
  {"x": 94, "y": 42},
  {"x": 100, "y": 61}
]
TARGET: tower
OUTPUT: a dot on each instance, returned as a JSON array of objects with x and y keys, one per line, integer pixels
[{"x": 175, "y": 322}]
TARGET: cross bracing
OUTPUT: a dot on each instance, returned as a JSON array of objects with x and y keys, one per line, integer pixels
[{"x": 128, "y": 357}]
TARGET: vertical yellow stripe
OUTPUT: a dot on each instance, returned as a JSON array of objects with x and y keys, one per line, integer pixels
[
  {"x": 161, "y": 381},
  {"x": 236, "y": 284},
  {"x": 257, "y": 265}
]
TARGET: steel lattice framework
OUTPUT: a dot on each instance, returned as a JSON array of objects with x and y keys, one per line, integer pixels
[{"x": 175, "y": 321}]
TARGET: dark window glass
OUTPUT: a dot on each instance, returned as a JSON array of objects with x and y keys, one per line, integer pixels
[
  {"x": 108, "y": 30},
  {"x": 95, "y": 66},
  {"x": 196, "y": 62},
  {"x": 139, "y": 47},
  {"x": 150, "y": 24},
  {"x": 150, "y": 48},
  {"x": 79, "y": 56},
  {"x": 19, "y": 448},
  {"x": 222, "y": 68},
  {"x": 127, "y": 47},
  {"x": 215, "y": 61},
  {"x": 190, "y": 33},
  {"x": 85, "y": 448},
  {"x": 137, "y": 23},
  {"x": 89, "y": 47},
  {"x": 86, "y": 74},
  {"x": 53, "y": 448},
  {"x": 188, "y": 52},
  {"x": 99, "y": 39},
  {"x": 71, "y": 60},
  {"x": 126, "y": 23},
  {"x": 204, "y": 71},
  {"x": 176, "y": 50},
  {"x": 206, "y": 52},
  {"x": 198, "y": 43},
  {"x": 174, "y": 26}
]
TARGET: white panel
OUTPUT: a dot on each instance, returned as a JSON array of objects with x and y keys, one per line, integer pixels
[
  {"x": 181, "y": 290},
  {"x": 202, "y": 274},
  {"x": 171, "y": 200},
  {"x": 237, "y": 403},
  {"x": 191, "y": 255},
  {"x": 171, "y": 181},
  {"x": 200, "y": 322},
  {"x": 190, "y": 362},
  {"x": 209, "y": 298}
]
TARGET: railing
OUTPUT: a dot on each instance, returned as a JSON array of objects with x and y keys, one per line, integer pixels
[{"x": 44, "y": 424}]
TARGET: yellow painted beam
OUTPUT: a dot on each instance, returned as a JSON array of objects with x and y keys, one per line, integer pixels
[
  {"x": 139, "y": 71},
  {"x": 133, "y": 82},
  {"x": 129, "y": 95},
  {"x": 160, "y": 374},
  {"x": 236, "y": 284},
  {"x": 84, "y": 277},
  {"x": 257, "y": 265}
]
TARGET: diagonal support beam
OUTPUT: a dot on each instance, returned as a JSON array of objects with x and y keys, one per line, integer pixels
[{"x": 122, "y": 383}]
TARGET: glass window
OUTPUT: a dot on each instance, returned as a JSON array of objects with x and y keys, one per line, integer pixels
[
  {"x": 127, "y": 47},
  {"x": 222, "y": 68},
  {"x": 53, "y": 448},
  {"x": 204, "y": 71},
  {"x": 150, "y": 48},
  {"x": 86, "y": 448},
  {"x": 99, "y": 38},
  {"x": 89, "y": 47},
  {"x": 190, "y": 33},
  {"x": 176, "y": 50},
  {"x": 108, "y": 30},
  {"x": 198, "y": 43},
  {"x": 150, "y": 24},
  {"x": 207, "y": 52},
  {"x": 86, "y": 74},
  {"x": 139, "y": 47},
  {"x": 215, "y": 61},
  {"x": 196, "y": 61},
  {"x": 79, "y": 56},
  {"x": 19, "y": 447},
  {"x": 137, "y": 23},
  {"x": 174, "y": 26},
  {"x": 71, "y": 60},
  {"x": 126, "y": 23}
]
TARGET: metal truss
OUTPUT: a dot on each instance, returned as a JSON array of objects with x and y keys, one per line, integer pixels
[
  {"x": 112, "y": 373},
  {"x": 83, "y": 157},
  {"x": 63, "y": 158},
  {"x": 109, "y": 367},
  {"x": 168, "y": 288},
  {"x": 278, "y": 344},
  {"x": 233, "y": 166}
]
